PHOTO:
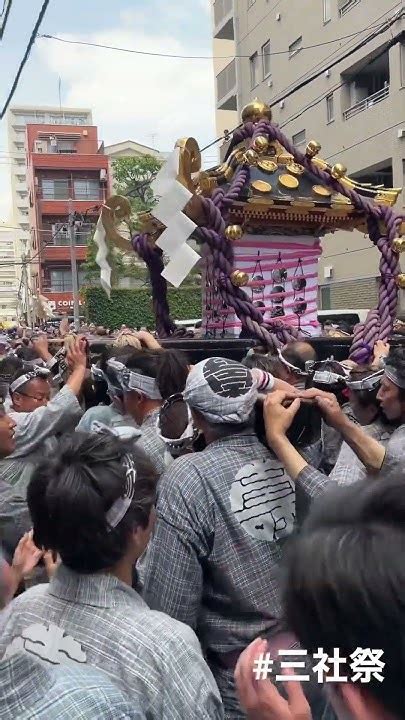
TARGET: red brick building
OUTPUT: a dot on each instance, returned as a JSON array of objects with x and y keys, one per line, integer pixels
[{"x": 65, "y": 164}]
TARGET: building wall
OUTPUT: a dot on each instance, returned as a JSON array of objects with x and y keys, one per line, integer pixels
[
  {"x": 361, "y": 142},
  {"x": 18, "y": 117},
  {"x": 68, "y": 154},
  {"x": 8, "y": 278},
  {"x": 223, "y": 51},
  {"x": 129, "y": 148}
]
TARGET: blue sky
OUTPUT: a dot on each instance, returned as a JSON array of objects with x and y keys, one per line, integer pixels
[{"x": 151, "y": 100}]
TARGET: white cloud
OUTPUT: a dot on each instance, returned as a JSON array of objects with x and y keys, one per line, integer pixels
[{"x": 134, "y": 96}]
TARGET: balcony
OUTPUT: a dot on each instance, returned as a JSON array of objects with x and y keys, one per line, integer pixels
[
  {"x": 223, "y": 20},
  {"x": 226, "y": 88},
  {"x": 368, "y": 102}
]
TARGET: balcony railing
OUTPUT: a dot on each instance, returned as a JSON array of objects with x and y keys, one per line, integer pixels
[
  {"x": 66, "y": 195},
  {"x": 223, "y": 20},
  {"x": 366, "y": 103},
  {"x": 226, "y": 84}
]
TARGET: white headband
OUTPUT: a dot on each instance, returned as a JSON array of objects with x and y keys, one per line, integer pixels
[
  {"x": 190, "y": 433},
  {"x": 37, "y": 372},
  {"x": 121, "y": 505},
  {"x": 325, "y": 377},
  {"x": 392, "y": 374},
  {"x": 288, "y": 365},
  {"x": 131, "y": 380},
  {"x": 367, "y": 383}
]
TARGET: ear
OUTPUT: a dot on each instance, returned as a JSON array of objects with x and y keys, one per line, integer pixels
[
  {"x": 360, "y": 704},
  {"x": 141, "y": 536}
]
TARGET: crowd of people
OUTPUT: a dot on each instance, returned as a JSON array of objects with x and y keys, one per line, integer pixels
[{"x": 198, "y": 542}]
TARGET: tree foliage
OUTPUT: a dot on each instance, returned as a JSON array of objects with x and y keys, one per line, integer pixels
[{"x": 132, "y": 178}]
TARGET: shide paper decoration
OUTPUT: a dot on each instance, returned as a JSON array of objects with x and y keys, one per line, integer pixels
[{"x": 169, "y": 211}]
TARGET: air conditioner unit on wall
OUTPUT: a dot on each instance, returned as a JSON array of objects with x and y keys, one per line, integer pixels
[
  {"x": 328, "y": 272},
  {"x": 40, "y": 146},
  {"x": 103, "y": 176}
]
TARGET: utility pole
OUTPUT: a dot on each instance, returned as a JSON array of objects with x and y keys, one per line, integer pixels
[
  {"x": 26, "y": 289},
  {"x": 75, "y": 285}
]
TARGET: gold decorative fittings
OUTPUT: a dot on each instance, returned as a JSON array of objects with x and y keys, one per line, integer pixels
[
  {"x": 338, "y": 171},
  {"x": 295, "y": 168},
  {"x": 285, "y": 158},
  {"x": 260, "y": 144},
  {"x": 312, "y": 149},
  {"x": 398, "y": 245},
  {"x": 239, "y": 278},
  {"x": 289, "y": 181},
  {"x": 255, "y": 111},
  {"x": 261, "y": 186},
  {"x": 267, "y": 166},
  {"x": 233, "y": 232},
  {"x": 400, "y": 281},
  {"x": 321, "y": 190},
  {"x": 251, "y": 157}
]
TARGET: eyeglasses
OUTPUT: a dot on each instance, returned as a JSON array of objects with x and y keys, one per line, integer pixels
[{"x": 34, "y": 397}]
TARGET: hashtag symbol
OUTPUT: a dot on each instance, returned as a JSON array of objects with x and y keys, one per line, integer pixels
[{"x": 262, "y": 666}]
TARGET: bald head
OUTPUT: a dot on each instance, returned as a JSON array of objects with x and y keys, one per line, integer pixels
[{"x": 294, "y": 355}]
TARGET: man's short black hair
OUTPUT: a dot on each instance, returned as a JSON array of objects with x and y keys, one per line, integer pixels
[{"x": 346, "y": 577}]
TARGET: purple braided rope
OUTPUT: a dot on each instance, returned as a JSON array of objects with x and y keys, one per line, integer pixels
[
  {"x": 380, "y": 321},
  {"x": 272, "y": 334},
  {"x": 152, "y": 256}
]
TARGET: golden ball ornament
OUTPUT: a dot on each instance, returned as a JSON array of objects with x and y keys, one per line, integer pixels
[
  {"x": 338, "y": 171},
  {"x": 400, "y": 281},
  {"x": 251, "y": 157},
  {"x": 234, "y": 232},
  {"x": 398, "y": 245},
  {"x": 260, "y": 144},
  {"x": 239, "y": 278},
  {"x": 255, "y": 111},
  {"x": 312, "y": 149}
]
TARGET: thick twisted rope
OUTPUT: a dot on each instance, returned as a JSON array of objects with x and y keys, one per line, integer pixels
[
  {"x": 380, "y": 321},
  {"x": 153, "y": 258},
  {"x": 274, "y": 333}
]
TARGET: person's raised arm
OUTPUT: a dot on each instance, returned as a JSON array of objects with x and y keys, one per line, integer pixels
[
  {"x": 77, "y": 360},
  {"x": 369, "y": 451}
]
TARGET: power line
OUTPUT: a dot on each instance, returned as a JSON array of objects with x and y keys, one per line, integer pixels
[
  {"x": 370, "y": 137},
  {"x": 4, "y": 16},
  {"x": 192, "y": 57},
  {"x": 25, "y": 56},
  {"x": 390, "y": 44},
  {"x": 378, "y": 24}
]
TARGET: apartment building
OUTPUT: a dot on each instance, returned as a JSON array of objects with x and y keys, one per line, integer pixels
[
  {"x": 67, "y": 171},
  {"x": 356, "y": 109},
  {"x": 8, "y": 278},
  {"x": 17, "y": 119}
]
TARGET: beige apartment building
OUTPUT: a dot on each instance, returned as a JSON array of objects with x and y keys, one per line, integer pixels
[{"x": 355, "y": 109}]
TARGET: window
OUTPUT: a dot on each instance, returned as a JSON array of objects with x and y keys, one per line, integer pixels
[
  {"x": 20, "y": 178},
  {"x": 266, "y": 59},
  {"x": 325, "y": 297},
  {"x": 327, "y": 11},
  {"x": 61, "y": 280},
  {"x": 299, "y": 138},
  {"x": 346, "y": 5},
  {"x": 55, "y": 189},
  {"x": 75, "y": 119},
  {"x": 295, "y": 47},
  {"x": 330, "y": 108},
  {"x": 86, "y": 189},
  {"x": 254, "y": 70}
]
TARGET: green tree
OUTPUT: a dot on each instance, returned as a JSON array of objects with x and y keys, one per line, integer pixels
[{"x": 132, "y": 178}]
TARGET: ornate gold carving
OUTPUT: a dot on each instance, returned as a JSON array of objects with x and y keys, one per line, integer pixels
[
  {"x": 289, "y": 181},
  {"x": 115, "y": 211},
  {"x": 261, "y": 186}
]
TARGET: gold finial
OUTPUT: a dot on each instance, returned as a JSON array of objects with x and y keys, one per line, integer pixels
[
  {"x": 312, "y": 149},
  {"x": 398, "y": 245},
  {"x": 251, "y": 157},
  {"x": 400, "y": 280},
  {"x": 260, "y": 144},
  {"x": 255, "y": 111},
  {"x": 233, "y": 232},
  {"x": 239, "y": 278},
  {"x": 338, "y": 171}
]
